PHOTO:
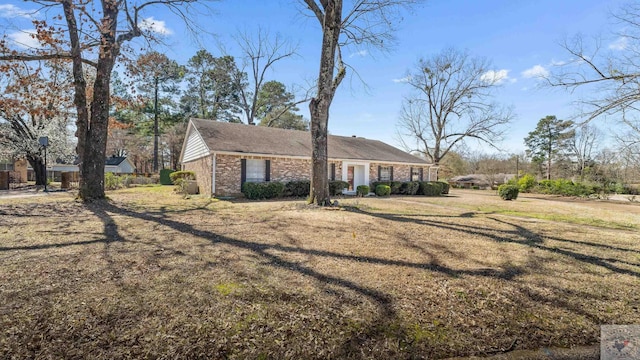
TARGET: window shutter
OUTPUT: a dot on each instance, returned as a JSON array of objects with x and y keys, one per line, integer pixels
[
  {"x": 267, "y": 170},
  {"x": 421, "y": 173},
  {"x": 243, "y": 171},
  {"x": 333, "y": 171},
  {"x": 411, "y": 173},
  {"x": 379, "y": 170},
  {"x": 391, "y": 173}
]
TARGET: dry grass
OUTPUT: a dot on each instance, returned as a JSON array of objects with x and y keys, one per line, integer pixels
[{"x": 152, "y": 275}]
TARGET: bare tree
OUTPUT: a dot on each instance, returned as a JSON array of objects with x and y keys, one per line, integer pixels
[
  {"x": 609, "y": 75},
  {"x": 96, "y": 35},
  {"x": 583, "y": 146},
  {"x": 451, "y": 103},
  {"x": 365, "y": 23},
  {"x": 259, "y": 55}
]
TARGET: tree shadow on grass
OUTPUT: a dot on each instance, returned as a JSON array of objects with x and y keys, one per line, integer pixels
[{"x": 517, "y": 235}]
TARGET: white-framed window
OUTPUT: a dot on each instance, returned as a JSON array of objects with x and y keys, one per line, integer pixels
[
  {"x": 416, "y": 174},
  {"x": 385, "y": 173},
  {"x": 256, "y": 170}
]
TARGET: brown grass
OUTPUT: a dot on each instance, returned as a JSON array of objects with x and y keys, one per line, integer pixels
[{"x": 152, "y": 275}]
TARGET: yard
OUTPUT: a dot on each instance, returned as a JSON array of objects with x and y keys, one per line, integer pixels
[{"x": 150, "y": 274}]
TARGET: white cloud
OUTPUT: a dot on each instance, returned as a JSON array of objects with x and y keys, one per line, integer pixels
[
  {"x": 496, "y": 76},
  {"x": 402, "y": 80},
  {"x": 156, "y": 26},
  {"x": 620, "y": 44},
  {"x": 537, "y": 71},
  {"x": 361, "y": 53},
  {"x": 557, "y": 62},
  {"x": 12, "y": 11},
  {"x": 25, "y": 39}
]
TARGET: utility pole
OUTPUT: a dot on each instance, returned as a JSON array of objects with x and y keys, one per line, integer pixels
[
  {"x": 44, "y": 142},
  {"x": 156, "y": 132}
]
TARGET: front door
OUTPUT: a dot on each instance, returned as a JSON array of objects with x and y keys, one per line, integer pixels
[{"x": 350, "y": 171}]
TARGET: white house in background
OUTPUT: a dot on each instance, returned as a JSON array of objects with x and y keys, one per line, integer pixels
[{"x": 119, "y": 165}]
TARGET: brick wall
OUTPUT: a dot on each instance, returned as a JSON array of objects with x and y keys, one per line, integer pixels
[
  {"x": 400, "y": 172},
  {"x": 202, "y": 168},
  {"x": 286, "y": 170},
  {"x": 228, "y": 174}
]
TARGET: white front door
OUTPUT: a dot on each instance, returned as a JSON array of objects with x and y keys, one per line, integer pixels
[{"x": 357, "y": 174}]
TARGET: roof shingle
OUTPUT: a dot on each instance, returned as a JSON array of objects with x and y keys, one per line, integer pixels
[{"x": 223, "y": 136}]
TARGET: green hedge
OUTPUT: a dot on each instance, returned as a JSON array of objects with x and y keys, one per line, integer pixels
[
  {"x": 410, "y": 188},
  {"x": 430, "y": 188},
  {"x": 336, "y": 186},
  {"x": 383, "y": 190},
  {"x": 262, "y": 190},
  {"x": 186, "y": 175},
  {"x": 508, "y": 191},
  {"x": 300, "y": 188},
  {"x": 445, "y": 186},
  {"x": 362, "y": 190}
]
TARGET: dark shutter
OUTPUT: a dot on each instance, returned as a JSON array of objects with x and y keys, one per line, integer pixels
[
  {"x": 421, "y": 173},
  {"x": 411, "y": 173},
  {"x": 379, "y": 171},
  {"x": 243, "y": 171},
  {"x": 391, "y": 173},
  {"x": 333, "y": 171},
  {"x": 267, "y": 170}
]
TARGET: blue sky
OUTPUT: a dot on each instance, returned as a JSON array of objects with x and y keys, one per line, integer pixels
[{"x": 521, "y": 38}]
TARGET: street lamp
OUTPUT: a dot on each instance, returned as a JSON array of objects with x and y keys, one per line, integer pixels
[{"x": 44, "y": 142}]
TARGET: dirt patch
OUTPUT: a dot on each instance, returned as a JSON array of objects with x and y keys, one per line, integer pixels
[{"x": 151, "y": 274}]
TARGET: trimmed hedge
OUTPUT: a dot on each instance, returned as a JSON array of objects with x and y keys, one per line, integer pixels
[
  {"x": 445, "y": 187},
  {"x": 186, "y": 175},
  {"x": 362, "y": 190},
  {"x": 430, "y": 188},
  {"x": 383, "y": 190},
  {"x": 262, "y": 190},
  {"x": 300, "y": 188},
  {"x": 336, "y": 186},
  {"x": 410, "y": 188},
  {"x": 508, "y": 191}
]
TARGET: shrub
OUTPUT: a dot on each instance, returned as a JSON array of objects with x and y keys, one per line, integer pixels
[
  {"x": 186, "y": 175},
  {"x": 445, "y": 187},
  {"x": 430, "y": 188},
  {"x": 112, "y": 181},
  {"x": 410, "y": 187},
  {"x": 300, "y": 188},
  {"x": 508, "y": 191},
  {"x": 262, "y": 190},
  {"x": 383, "y": 190},
  {"x": 362, "y": 190},
  {"x": 165, "y": 179},
  {"x": 395, "y": 187},
  {"x": 336, "y": 186},
  {"x": 526, "y": 183}
]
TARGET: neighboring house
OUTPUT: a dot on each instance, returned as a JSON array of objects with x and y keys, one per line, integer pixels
[
  {"x": 113, "y": 164},
  {"x": 481, "y": 181},
  {"x": 119, "y": 165},
  {"x": 225, "y": 155}
]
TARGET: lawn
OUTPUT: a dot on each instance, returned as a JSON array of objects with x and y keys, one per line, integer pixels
[{"x": 150, "y": 274}]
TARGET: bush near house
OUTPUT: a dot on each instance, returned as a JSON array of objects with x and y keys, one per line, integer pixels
[
  {"x": 526, "y": 183},
  {"x": 186, "y": 175},
  {"x": 410, "y": 188},
  {"x": 300, "y": 188},
  {"x": 508, "y": 191},
  {"x": 336, "y": 187},
  {"x": 394, "y": 185},
  {"x": 112, "y": 181},
  {"x": 383, "y": 190},
  {"x": 362, "y": 190},
  {"x": 430, "y": 188},
  {"x": 445, "y": 186},
  {"x": 262, "y": 190}
]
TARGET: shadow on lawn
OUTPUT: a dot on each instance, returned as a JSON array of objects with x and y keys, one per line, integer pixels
[
  {"x": 519, "y": 235},
  {"x": 387, "y": 317}
]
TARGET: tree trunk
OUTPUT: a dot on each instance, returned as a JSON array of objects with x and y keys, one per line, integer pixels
[
  {"x": 156, "y": 132},
  {"x": 37, "y": 164},
  {"x": 319, "y": 106},
  {"x": 95, "y": 137}
]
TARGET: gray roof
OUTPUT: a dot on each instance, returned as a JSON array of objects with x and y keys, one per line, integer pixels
[
  {"x": 223, "y": 136},
  {"x": 114, "y": 160}
]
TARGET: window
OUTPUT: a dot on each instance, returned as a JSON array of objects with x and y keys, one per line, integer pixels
[
  {"x": 252, "y": 170},
  {"x": 416, "y": 174},
  {"x": 385, "y": 173}
]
